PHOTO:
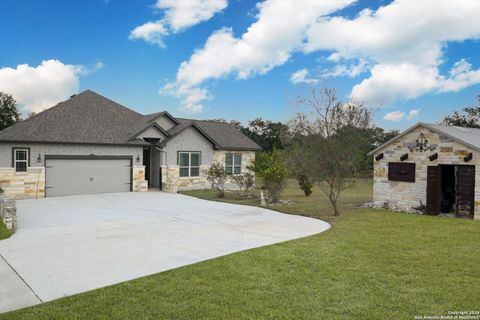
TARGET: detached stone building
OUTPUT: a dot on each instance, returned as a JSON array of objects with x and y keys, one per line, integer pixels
[
  {"x": 432, "y": 165},
  {"x": 90, "y": 144}
]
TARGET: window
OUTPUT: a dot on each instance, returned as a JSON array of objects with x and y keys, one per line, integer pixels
[
  {"x": 20, "y": 159},
  {"x": 189, "y": 163},
  {"x": 233, "y": 163},
  {"x": 401, "y": 171}
]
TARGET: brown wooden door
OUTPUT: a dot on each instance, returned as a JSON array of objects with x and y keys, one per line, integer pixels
[
  {"x": 465, "y": 190},
  {"x": 433, "y": 190}
]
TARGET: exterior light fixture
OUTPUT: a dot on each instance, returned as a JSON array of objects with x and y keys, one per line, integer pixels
[
  {"x": 39, "y": 158},
  {"x": 421, "y": 144},
  {"x": 138, "y": 157}
]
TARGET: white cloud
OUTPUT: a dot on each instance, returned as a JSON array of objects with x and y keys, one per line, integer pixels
[
  {"x": 151, "y": 32},
  {"x": 413, "y": 114},
  {"x": 404, "y": 39},
  {"x": 401, "y": 44},
  {"x": 394, "y": 116},
  {"x": 302, "y": 76},
  {"x": 461, "y": 76},
  {"x": 192, "y": 97},
  {"x": 392, "y": 81},
  {"x": 350, "y": 68},
  {"x": 37, "y": 88},
  {"x": 267, "y": 43},
  {"x": 178, "y": 16}
]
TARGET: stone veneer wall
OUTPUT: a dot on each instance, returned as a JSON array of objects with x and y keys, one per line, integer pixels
[
  {"x": 172, "y": 182},
  {"x": 405, "y": 195},
  {"x": 31, "y": 184},
  {"x": 139, "y": 182},
  {"x": 23, "y": 185}
]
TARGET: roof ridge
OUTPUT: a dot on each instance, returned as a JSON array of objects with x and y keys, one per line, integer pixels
[{"x": 103, "y": 97}]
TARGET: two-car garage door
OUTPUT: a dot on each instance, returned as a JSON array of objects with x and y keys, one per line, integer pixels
[{"x": 87, "y": 175}]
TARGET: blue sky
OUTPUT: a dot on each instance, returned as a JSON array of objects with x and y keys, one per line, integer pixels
[{"x": 239, "y": 57}]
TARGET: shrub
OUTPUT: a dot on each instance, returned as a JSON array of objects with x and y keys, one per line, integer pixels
[
  {"x": 305, "y": 184},
  {"x": 245, "y": 182},
  {"x": 271, "y": 168},
  {"x": 217, "y": 177}
]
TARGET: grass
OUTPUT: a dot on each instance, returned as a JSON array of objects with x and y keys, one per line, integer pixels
[
  {"x": 315, "y": 206},
  {"x": 4, "y": 232},
  {"x": 371, "y": 264}
]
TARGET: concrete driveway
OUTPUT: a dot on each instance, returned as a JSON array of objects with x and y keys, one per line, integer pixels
[{"x": 68, "y": 245}]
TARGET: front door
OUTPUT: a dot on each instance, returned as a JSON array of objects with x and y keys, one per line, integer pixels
[
  {"x": 146, "y": 163},
  {"x": 465, "y": 190},
  {"x": 433, "y": 190}
]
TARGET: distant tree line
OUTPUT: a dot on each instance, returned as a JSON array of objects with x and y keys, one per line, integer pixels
[{"x": 469, "y": 117}]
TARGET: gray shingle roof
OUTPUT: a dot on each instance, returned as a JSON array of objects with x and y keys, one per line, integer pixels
[
  {"x": 90, "y": 118},
  {"x": 85, "y": 118},
  {"x": 225, "y": 135},
  {"x": 468, "y": 136}
]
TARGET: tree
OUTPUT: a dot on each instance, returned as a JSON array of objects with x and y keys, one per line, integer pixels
[
  {"x": 266, "y": 134},
  {"x": 469, "y": 117},
  {"x": 305, "y": 184},
  {"x": 217, "y": 177},
  {"x": 9, "y": 113},
  {"x": 271, "y": 168},
  {"x": 326, "y": 145}
]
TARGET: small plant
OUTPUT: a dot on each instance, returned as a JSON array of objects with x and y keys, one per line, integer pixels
[
  {"x": 271, "y": 168},
  {"x": 305, "y": 184},
  {"x": 217, "y": 177},
  {"x": 244, "y": 182}
]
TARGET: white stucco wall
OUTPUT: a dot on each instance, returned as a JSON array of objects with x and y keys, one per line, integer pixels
[
  {"x": 165, "y": 123},
  {"x": 189, "y": 140},
  {"x": 66, "y": 149}
]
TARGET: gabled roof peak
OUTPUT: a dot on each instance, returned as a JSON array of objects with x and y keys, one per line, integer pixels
[{"x": 467, "y": 136}]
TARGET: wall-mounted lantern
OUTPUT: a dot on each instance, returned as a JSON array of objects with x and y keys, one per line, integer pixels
[
  {"x": 138, "y": 157},
  {"x": 39, "y": 158}
]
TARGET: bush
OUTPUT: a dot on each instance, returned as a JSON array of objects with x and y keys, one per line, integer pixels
[
  {"x": 271, "y": 168},
  {"x": 217, "y": 177},
  {"x": 245, "y": 182},
  {"x": 305, "y": 184}
]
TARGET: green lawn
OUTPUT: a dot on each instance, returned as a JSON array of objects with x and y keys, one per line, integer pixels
[
  {"x": 316, "y": 205},
  {"x": 4, "y": 232},
  {"x": 371, "y": 264}
]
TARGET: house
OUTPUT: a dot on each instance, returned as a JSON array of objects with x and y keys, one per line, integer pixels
[
  {"x": 430, "y": 164},
  {"x": 90, "y": 144}
]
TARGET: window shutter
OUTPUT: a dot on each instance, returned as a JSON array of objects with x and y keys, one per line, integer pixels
[{"x": 400, "y": 171}]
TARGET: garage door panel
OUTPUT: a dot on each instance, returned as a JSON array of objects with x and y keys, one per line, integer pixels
[{"x": 87, "y": 176}]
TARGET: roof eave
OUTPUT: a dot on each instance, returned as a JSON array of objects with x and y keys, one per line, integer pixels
[
  {"x": 153, "y": 125},
  {"x": 73, "y": 142},
  {"x": 428, "y": 126}
]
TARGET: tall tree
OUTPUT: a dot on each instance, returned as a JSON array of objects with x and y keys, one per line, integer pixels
[
  {"x": 9, "y": 113},
  {"x": 266, "y": 134},
  {"x": 469, "y": 117},
  {"x": 326, "y": 145}
]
